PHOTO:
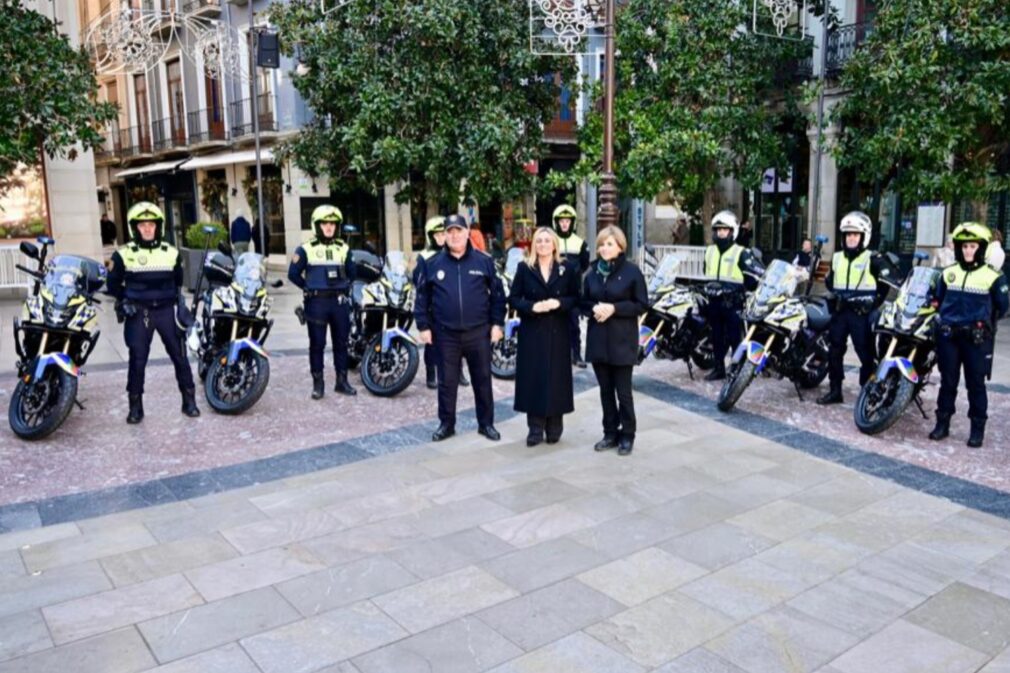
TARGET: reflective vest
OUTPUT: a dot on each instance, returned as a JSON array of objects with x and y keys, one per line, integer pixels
[
  {"x": 967, "y": 298},
  {"x": 324, "y": 268},
  {"x": 571, "y": 246},
  {"x": 724, "y": 266},
  {"x": 427, "y": 254},
  {"x": 149, "y": 272},
  {"x": 853, "y": 277}
]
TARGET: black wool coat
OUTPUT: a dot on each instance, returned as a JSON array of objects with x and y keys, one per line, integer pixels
[
  {"x": 543, "y": 361},
  {"x": 614, "y": 342}
]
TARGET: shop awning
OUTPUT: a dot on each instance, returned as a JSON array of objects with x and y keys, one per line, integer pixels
[
  {"x": 160, "y": 167},
  {"x": 227, "y": 159}
]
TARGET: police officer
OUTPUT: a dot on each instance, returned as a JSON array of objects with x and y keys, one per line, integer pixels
[
  {"x": 434, "y": 234},
  {"x": 146, "y": 280},
  {"x": 972, "y": 297},
  {"x": 857, "y": 280},
  {"x": 736, "y": 270},
  {"x": 575, "y": 251},
  {"x": 461, "y": 299},
  {"x": 323, "y": 269}
]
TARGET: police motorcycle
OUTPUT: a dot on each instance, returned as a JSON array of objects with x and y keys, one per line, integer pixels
[
  {"x": 383, "y": 314},
  {"x": 786, "y": 334},
  {"x": 503, "y": 353},
  {"x": 232, "y": 327},
  {"x": 53, "y": 337},
  {"x": 673, "y": 328},
  {"x": 905, "y": 333}
]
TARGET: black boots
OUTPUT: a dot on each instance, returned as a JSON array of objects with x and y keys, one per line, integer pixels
[
  {"x": 833, "y": 396},
  {"x": 608, "y": 442},
  {"x": 189, "y": 403},
  {"x": 977, "y": 433},
  {"x": 942, "y": 428},
  {"x": 431, "y": 376},
  {"x": 317, "y": 386},
  {"x": 625, "y": 445},
  {"x": 342, "y": 386},
  {"x": 136, "y": 414},
  {"x": 444, "y": 431}
]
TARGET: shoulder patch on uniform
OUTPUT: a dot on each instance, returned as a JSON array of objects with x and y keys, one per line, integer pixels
[{"x": 951, "y": 277}]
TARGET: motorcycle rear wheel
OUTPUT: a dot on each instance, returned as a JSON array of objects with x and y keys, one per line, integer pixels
[
  {"x": 503, "y": 358},
  {"x": 234, "y": 389},
  {"x": 740, "y": 376},
  {"x": 37, "y": 409},
  {"x": 894, "y": 394},
  {"x": 388, "y": 374}
]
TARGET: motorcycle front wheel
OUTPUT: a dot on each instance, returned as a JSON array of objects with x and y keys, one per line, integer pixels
[
  {"x": 503, "y": 358},
  {"x": 388, "y": 374},
  {"x": 881, "y": 403},
  {"x": 38, "y": 408},
  {"x": 234, "y": 389},
  {"x": 740, "y": 376}
]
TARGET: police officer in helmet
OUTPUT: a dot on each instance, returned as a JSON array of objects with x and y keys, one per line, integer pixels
[
  {"x": 323, "y": 269},
  {"x": 146, "y": 280},
  {"x": 734, "y": 269},
  {"x": 434, "y": 235},
  {"x": 857, "y": 280},
  {"x": 575, "y": 251},
  {"x": 972, "y": 296}
]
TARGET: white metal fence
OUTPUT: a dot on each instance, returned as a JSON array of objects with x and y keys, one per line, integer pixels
[{"x": 10, "y": 277}]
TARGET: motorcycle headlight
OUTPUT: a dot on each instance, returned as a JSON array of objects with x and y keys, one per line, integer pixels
[
  {"x": 247, "y": 305},
  {"x": 56, "y": 316}
]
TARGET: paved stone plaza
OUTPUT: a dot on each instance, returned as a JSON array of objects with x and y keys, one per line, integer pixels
[{"x": 749, "y": 542}]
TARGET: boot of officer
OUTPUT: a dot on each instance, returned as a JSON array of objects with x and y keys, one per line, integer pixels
[
  {"x": 575, "y": 251},
  {"x": 736, "y": 270},
  {"x": 146, "y": 280},
  {"x": 322, "y": 268},
  {"x": 434, "y": 234},
  {"x": 972, "y": 297},
  {"x": 856, "y": 279}
]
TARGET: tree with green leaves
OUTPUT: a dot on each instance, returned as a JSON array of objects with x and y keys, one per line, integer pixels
[
  {"x": 47, "y": 92},
  {"x": 699, "y": 97},
  {"x": 441, "y": 94},
  {"x": 928, "y": 109}
]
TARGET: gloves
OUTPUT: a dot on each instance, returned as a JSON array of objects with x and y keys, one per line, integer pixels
[{"x": 125, "y": 309}]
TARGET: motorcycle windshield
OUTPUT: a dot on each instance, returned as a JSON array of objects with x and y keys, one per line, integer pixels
[
  {"x": 249, "y": 273},
  {"x": 512, "y": 261},
  {"x": 395, "y": 272},
  {"x": 64, "y": 279},
  {"x": 666, "y": 273},
  {"x": 779, "y": 280},
  {"x": 917, "y": 290}
]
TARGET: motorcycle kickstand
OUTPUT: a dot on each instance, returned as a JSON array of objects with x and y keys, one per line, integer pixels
[
  {"x": 690, "y": 369},
  {"x": 79, "y": 405},
  {"x": 918, "y": 403},
  {"x": 799, "y": 394}
]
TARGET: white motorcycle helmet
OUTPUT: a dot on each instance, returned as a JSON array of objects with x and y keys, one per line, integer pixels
[
  {"x": 857, "y": 222},
  {"x": 726, "y": 219}
]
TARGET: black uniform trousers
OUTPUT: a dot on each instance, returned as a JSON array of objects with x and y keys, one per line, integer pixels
[
  {"x": 474, "y": 345},
  {"x": 727, "y": 327},
  {"x": 331, "y": 313},
  {"x": 615, "y": 397},
  {"x": 952, "y": 352},
  {"x": 139, "y": 332},
  {"x": 848, "y": 324}
]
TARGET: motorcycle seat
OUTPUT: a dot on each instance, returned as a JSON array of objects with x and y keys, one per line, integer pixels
[{"x": 818, "y": 313}]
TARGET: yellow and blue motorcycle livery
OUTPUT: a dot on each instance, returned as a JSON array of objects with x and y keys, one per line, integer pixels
[
  {"x": 384, "y": 313},
  {"x": 786, "y": 334},
  {"x": 674, "y": 328},
  {"x": 504, "y": 352},
  {"x": 905, "y": 332},
  {"x": 53, "y": 337},
  {"x": 233, "y": 326}
]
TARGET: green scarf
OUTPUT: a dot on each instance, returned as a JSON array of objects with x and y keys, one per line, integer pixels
[{"x": 603, "y": 267}]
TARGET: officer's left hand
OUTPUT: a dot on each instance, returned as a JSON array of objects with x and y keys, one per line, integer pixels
[{"x": 496, "y": 334}]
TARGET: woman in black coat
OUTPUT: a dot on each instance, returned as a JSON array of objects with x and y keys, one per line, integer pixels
[
  {"x": 613, "y": 297},
  {"x": 544, "y": 291}
]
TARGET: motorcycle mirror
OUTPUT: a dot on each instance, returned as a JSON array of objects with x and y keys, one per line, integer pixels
[
  {"x": 349, "y": 229},
  {"x": 209, "y": 230},
  {"x": 822, "y": 239},
  {"x": 29, "y": 249},
  {"x": 921, "y": 256},
  {"x": 225, "y": 248},
  {"x": 277, "y": 283},
  {"x": 45, "y": 240}
]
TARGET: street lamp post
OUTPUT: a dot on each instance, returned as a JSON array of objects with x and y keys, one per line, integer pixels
[{"x": 607, "y": 212}]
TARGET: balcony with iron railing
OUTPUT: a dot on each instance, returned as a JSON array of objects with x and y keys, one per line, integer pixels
[
  {"x": 204, "y": 7},
  {"x": 134, "y": 142},
  {"x": 241, "y": 116},
  {"x": 842, "y": 44},
  {"x": 169, "y": 135},
  {"x": 207, "y": 127}
]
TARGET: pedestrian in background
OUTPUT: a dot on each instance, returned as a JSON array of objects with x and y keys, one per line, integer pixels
[{"x": 240, "y": 234}]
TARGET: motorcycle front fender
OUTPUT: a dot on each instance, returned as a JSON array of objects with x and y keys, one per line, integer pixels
[
  {"x": 42, "y": 362},
  {"x": 753, "y": 351},
  {"x": 511, "y": 325},
  {"x": 239, "y": 345},
  {"x": 395, "y": 333},
  {"x": 903, "y": 365},
  {"x": 646, "y": 341}
]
